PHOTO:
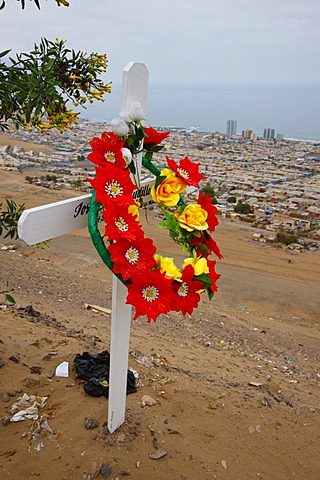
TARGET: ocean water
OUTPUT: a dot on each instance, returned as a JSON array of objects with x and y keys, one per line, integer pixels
[{"x": 293, "y": 110}]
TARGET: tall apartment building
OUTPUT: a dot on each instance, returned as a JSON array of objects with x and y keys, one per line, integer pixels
[
  {"x": 232, "y": 127},
  {"x": 279, "y": 137},
  {"x": 268, "y": 133},
  {"x": 249, "y": 134}
]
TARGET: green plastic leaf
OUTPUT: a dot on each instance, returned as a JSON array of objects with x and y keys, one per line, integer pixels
[
  {"x": 132, "y": 167},
  {"x": 205, "y": 279},
  {"x": 210, "y": 294},
  {"x": 159, "y": 180}
]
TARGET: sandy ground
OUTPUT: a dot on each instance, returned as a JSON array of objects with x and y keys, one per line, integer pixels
[{"x": 236, "y": 385}]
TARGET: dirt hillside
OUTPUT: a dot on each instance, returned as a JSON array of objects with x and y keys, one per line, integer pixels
[{"x": 235, "y": 386}]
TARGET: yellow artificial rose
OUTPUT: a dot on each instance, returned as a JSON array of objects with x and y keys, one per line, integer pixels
[
  {"x": 168, "y": 192},
  {"x": 168, "y": 267},
  {"x": 193, "y": 217},
  {"x": 199, "y": 264}
]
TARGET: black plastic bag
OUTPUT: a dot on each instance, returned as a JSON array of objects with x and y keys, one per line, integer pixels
[{"x": 94, "y": 368}]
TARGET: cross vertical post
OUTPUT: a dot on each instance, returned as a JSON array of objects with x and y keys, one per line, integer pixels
[{"x": 134, "y": 89}]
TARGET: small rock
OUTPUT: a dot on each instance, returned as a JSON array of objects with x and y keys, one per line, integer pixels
[
  {"x": 15, "y": 358},
  {"x": 13, "y": 393},
  {"x": 95, "y": 469},
  {"x": 224, "y": 464},
  {"x": 5, "y": 421},
  {"x": 138, "y": 464},
  {"x": 32, "y": 381},
  {"x": 29, "y": 310},
  {"x": 1, "y": 363},
  {"x": 251, "y": 429},
  {"x": 121, "y": 438},
  {"x": 124, "y": 473},
  {"x": 255, "y": 384},
  {"x": 105, "y": 471},
  {"x": 91, "y": 423},
  {"x": 48, "y": 356},
  {"x": 5, "y": 397},
  {"x": 158, "y": 454},
  {"x": 147, "y": 401}
]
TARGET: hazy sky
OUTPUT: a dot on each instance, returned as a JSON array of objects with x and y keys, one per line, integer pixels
[
  {"x": 190, "y": 46},
  {"x": 181, "y": 41}
]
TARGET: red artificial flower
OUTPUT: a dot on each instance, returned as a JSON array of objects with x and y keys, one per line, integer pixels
[
  {"x": 188, "y": 171},
  {"x": 113, "y": 185},
  {"x": 120, "y": 223},
  {"x": 185, "y": 297},
  {"x": 213, "y": 275},
  {"x": 206, "y": 204},
  {"x": 208, "y": 242},
  {"x": 132, "y": 257},
  {"x": 107, "y": 149},
  {"x": 150, "y": 293},
  {"x": 153, "y": 137}
]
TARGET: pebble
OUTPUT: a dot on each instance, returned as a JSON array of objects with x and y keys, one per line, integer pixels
[
  {"x": 5, "y": 397},
  {"x": 121, "y": 438},
  {"x": 147, "y": 401},
  {"x": 158, "y": 454},
  {"x": 15, "y": 358},
  {"x": 91, "y": 423},
  {"x": 32, "y": 381},
  {"x": 5, "y": 421},
  {"x": 105, "y": 471},
  {"x": 95, "y": 469},
  {"x": 1, "y": 363}
]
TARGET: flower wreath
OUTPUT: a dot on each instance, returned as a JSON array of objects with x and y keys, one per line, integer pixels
[{"x": 155, "y": 284}]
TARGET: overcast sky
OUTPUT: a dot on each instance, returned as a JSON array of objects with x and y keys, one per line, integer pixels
[
  {"x": 181, "y": 41},
  {"x": 194, "y": 49}
]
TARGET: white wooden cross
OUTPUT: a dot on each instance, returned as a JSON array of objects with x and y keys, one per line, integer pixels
[{"x": 55, "y": 219}]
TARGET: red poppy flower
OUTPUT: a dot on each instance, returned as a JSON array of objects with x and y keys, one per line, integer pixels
[
  {"x": 206, "y": 204},
  {"x": 150, "y": 293},
  {"x": 113, "y": 184},
  {"x": 107, "y": 149},
  {"x": 153, "y": 137},
  {"x": 207, "y": 241},
  {"x": 121, "y": 224},
  {"x": 213, "y": 275},
  {"x": 130, "y": 257},
  {"x": 185, "y": 297},
  {"x": 187, "y": 170}
]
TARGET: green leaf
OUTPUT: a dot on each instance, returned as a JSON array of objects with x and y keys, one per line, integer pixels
[
  {"x": 205, "y": 279},
  {"x": 210, "y": 294},
  {"x": 9, "y": 298},
  {"x": 148, "y": 156},
  {"x": 4, "y": 53},
  {"x": 132, "y": 167},
  {"x": 159, "y": 180}
]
